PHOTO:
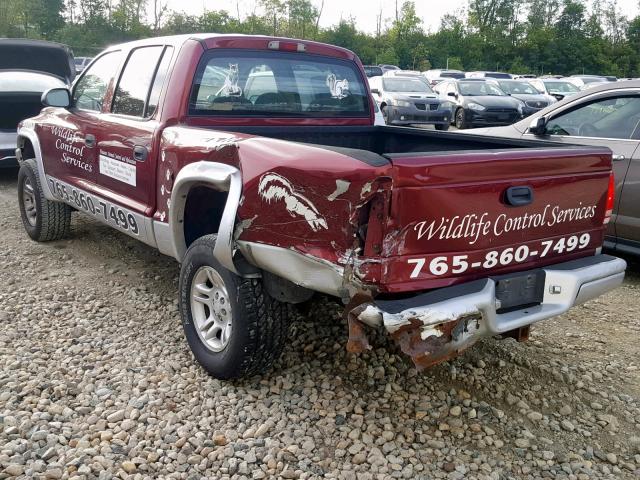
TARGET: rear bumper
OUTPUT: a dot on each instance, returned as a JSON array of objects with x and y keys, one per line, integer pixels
[{"x": 434, "y": 326}]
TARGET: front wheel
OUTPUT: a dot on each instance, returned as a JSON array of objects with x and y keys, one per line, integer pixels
[
  {"x": 233, "y": 327},
  {"x": 461, "y": 120},
  {"x": 43, "y": 219}
]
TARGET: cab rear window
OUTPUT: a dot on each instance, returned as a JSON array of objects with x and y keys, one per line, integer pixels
[{"x": 248, "y": 83}]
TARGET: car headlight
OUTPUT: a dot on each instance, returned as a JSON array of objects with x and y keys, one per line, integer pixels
[
  {"x": 446, "y": 105},
  {"x": 401, "y": 103},
  {"x": 476, "y": 106}
]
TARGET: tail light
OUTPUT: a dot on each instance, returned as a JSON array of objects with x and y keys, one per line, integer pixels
[{"x": 611, "y": 192}]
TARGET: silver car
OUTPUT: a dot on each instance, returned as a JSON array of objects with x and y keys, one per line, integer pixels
[
  {"x": 28, "y": 68},
  {"x": 408, "y": 101},
  {"x": 605, "y": 115}
]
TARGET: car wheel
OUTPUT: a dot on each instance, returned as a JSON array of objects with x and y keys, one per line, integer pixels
[
  {"x": 43, "y": 219},
  {"x": 461, "y": 122},
  {"x": 233, "y": 327},
  {"x": 442, "y": 127},
  {"x": 385, "y": 114}
]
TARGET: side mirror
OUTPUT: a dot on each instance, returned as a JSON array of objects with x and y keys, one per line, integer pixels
[
  {"x": 375, "y": 91},
  {"x": 56, "y": 97},
  {"x": 538, "y": 126},
  {"x": 452, "y": 94}
]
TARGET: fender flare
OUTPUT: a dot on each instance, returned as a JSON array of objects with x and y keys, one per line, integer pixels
[
  {"x": 219, "y": 176},
  {"x": 32, "y": 136}
]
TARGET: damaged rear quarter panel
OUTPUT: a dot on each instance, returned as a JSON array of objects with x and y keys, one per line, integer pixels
[{"x": 303, "y": 197}]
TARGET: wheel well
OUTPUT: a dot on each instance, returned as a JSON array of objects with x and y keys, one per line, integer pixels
[
  {"x": 202, "y": 212},
  {"x": 27, "y": 148}
]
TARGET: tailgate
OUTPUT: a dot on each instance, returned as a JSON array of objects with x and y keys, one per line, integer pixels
[{"x": 456, "y": 217}]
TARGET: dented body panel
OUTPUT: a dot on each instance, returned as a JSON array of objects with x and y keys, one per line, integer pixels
[{"x": 375, "y": 216}]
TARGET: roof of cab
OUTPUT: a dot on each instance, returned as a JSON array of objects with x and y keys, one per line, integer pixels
[{"x": 253, "y": 42}]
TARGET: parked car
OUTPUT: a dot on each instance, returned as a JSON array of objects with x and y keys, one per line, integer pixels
[
  {"x": 27, "y": 69},
  {"x": 439, "y": 238},
  {"x": 479, "y": 103},
  {"x": 435, "y": 76},
  {"x": 606, "y": 115},
  {"x": 373, "y": 71},
  {"x": 483, "y": 74},
  {"x": 586, "y": 81},
  {"x": 533, "y": 100},
  {"x": 558, "y": 88},
  {"x": 81, "y": 63},
  {"x": 386, "y": 68},
  {"x": 408, "y": 101}
]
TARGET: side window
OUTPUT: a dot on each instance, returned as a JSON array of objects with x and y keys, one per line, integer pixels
[
  {"x": 131, "y": 94},
  {"x": 89, "y": 92},
  {"x": 615, "y": 117},
  {"x": 158, "y": 81}
]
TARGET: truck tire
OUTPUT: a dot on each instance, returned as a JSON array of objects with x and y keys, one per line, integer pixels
[
  {"x": 43, "y": 219},
  {"x": 233, "y": 327}
]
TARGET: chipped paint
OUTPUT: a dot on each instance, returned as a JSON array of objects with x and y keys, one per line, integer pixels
[
  {"x": 242, "y": 226},
  {"x": 366, "y": 189},
  {"x": 341, "y": 187},
  {"x": 275, "y": 187}
]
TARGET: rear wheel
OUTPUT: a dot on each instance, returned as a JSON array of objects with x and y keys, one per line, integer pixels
[
  {"x": 461, "y": 120},
  {"x": 43, "y": 219},
  {"x": 233, "y": 327}
]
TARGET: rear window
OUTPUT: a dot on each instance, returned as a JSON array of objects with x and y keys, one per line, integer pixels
[{"x": 264, "y": 83}]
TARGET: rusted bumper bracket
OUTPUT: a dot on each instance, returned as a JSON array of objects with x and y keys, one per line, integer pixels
[{"x": 435, "y": 326}]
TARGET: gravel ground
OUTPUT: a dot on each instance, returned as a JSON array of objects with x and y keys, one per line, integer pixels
[{"x": 96, "y": 381}]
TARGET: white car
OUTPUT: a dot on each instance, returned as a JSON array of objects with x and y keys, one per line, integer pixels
[{"x": 28, "y": 68}]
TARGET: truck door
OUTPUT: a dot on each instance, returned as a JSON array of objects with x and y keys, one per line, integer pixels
[
  {"x": 69, "y": 136},
  {"x": 126, "y": 142}
]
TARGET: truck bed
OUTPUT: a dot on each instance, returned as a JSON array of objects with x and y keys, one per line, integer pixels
[{"x": 390, "y": 141}]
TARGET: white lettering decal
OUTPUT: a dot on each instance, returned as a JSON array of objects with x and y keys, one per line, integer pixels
[{"x": 472, "y": 226}]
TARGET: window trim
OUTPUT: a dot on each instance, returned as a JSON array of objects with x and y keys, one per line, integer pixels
[
  {"x": 121, "y": 73},
  {"x": 231, "y": 52},
  {"x": 84, "y": 73}
]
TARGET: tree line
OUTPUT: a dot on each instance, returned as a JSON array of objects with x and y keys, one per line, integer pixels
[{"x": 520, "y": 36}]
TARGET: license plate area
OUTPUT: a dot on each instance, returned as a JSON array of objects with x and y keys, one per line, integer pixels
[{"x": 520, "y": 290}]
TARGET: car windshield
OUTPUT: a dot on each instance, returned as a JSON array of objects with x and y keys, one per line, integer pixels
[
  {"x": 497, "y": 75},
  {"x": 78, "y": 60},
  {"x": 277, "y": 83},
  {"x": 479, "y": 88},
  {"x": 515, "y": 88},
  {"x": 406, "y": 85},
  {"x": 564, "y": 87},
  {"x": 373, "y": 71}
]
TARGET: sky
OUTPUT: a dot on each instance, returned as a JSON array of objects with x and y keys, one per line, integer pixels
[{"x": 364, "y": 11}]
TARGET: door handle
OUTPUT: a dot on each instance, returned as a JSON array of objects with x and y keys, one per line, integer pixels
[
  {"x": 89, "y": 140},
  {"x": 140, "y": 153},
  {"x": 519, "y": 196},
  {"x": 618, "y": 158}
]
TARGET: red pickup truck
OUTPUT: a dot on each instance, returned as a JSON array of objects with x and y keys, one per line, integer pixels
[{"x": 254, "y": 162}]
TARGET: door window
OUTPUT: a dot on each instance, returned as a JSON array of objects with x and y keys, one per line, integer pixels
[
  {"x": 158, "y": 82},
  {"x": 131, "y": 94},
  {"x": 90, "y": 90},
  {"x": 613, "y": 117}
]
